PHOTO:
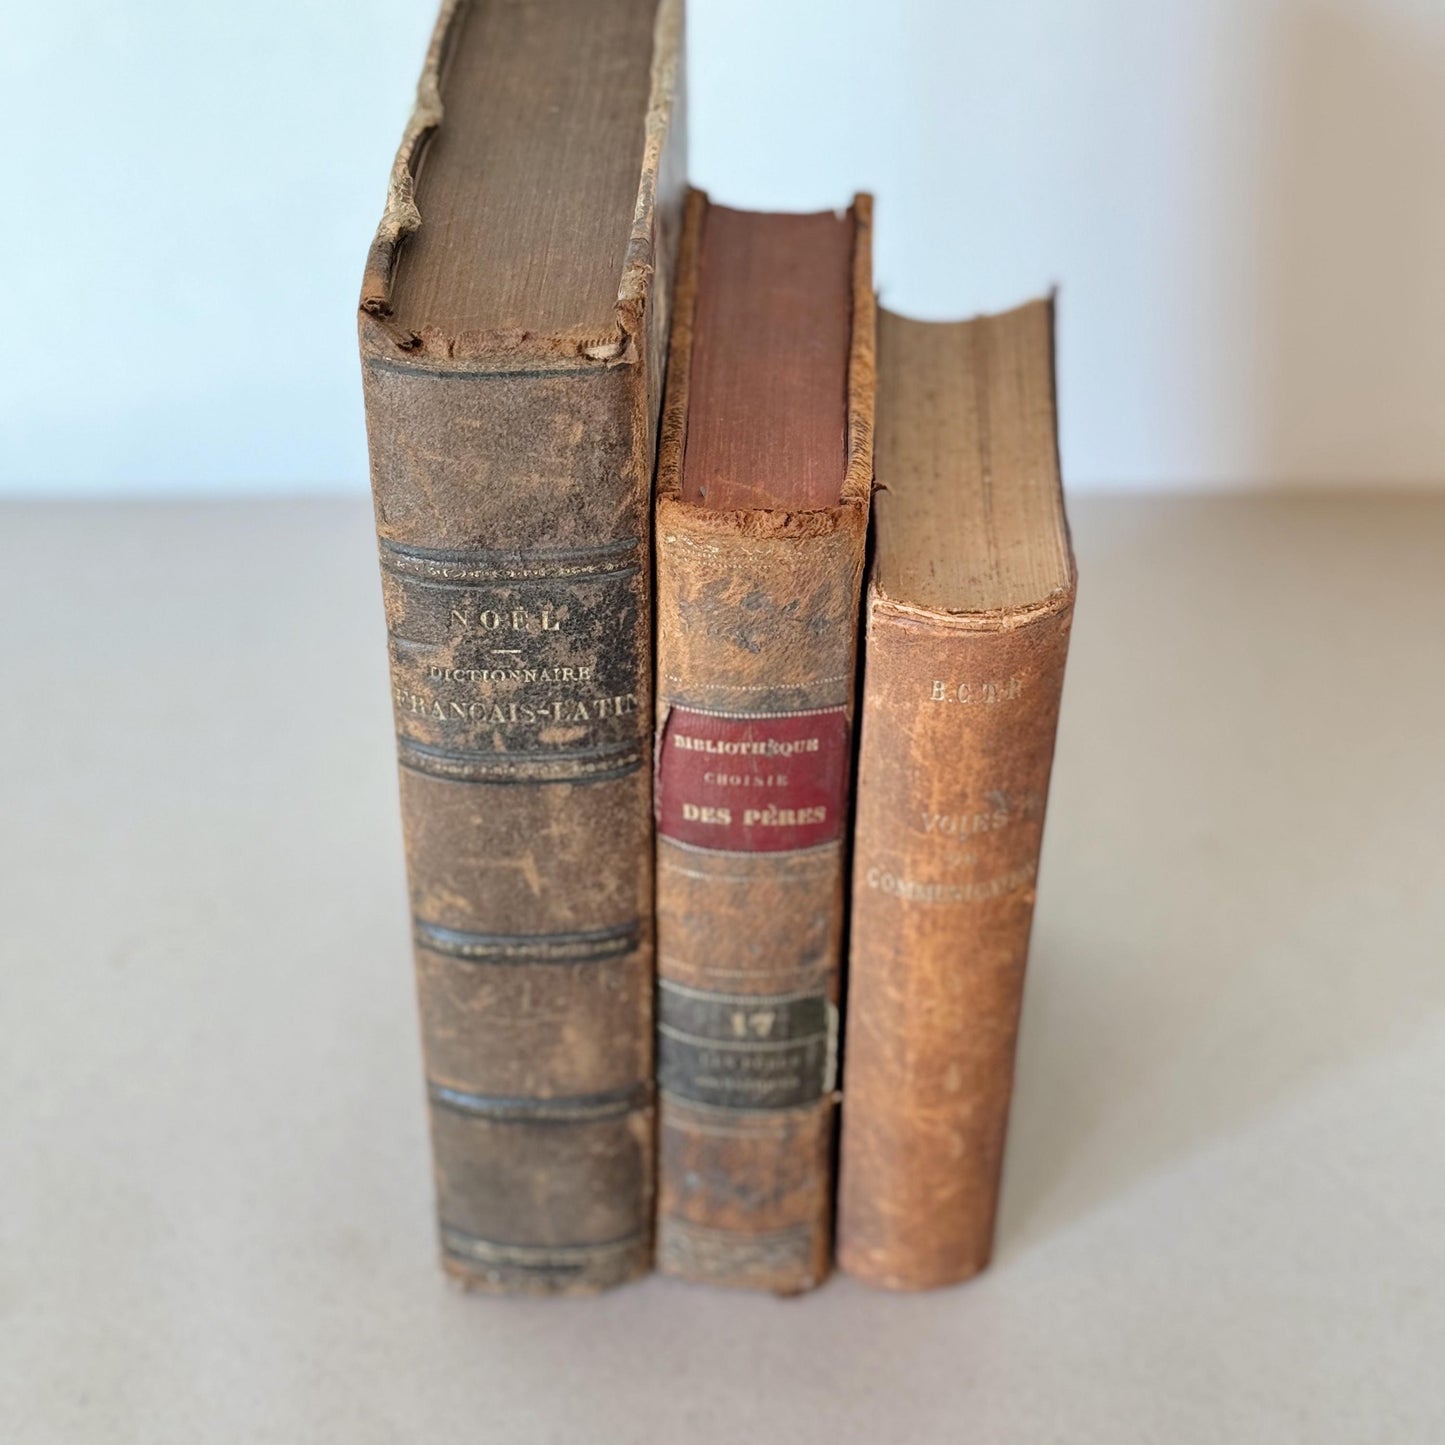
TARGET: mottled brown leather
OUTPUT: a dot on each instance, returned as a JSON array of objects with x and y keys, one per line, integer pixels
[
  {"x": 960, "y": 708},
  {"x": 757, "y": 616},
  {"x": 512, "y": 480}
]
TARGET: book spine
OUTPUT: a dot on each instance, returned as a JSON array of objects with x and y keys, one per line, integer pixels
[
  {"x": 956, "y": 743},
  {"x": 512, "y": 516},
  {"x": 757, "y": 621},
  {"x": 753, "y": 765}
]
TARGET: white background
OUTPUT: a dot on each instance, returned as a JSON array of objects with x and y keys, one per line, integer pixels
[{"x": 1241, "y": 200}]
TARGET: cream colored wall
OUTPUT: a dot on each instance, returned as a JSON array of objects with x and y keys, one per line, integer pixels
[{"x": 1241, "y": 200}]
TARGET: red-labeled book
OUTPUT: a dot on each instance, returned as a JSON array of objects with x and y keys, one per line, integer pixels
[{"x": 763, "y": 486}]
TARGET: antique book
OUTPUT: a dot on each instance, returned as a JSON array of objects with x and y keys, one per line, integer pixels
[
  {"x": 513, "y": 329},
  {"x": 969, "y": 603},
  {"x": 764, "y": 471}
]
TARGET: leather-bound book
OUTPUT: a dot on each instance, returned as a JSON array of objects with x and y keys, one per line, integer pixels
[
  {"x": 764, "y": 472},
  {"x": 513, "y": 328},
  {"x": 968, "y": 610}
]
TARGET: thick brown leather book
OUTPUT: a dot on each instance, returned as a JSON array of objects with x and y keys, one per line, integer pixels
[
  {"x": 764, "y": 472},
  {"x": 513, "y": 327},
  {"x": 969, "y": 605}
]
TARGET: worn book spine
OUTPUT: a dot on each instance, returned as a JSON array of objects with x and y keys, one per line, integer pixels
[
  {"x": 956, "y": 743},
  {"x": 512, "y": 492},
  {"x": 757, "y": 615}
]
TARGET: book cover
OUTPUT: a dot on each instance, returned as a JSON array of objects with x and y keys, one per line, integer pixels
[
  {"x": 764, "y": 477},
  {"x": 513, "y": 327},
  {"x": 969, "y": 605}
]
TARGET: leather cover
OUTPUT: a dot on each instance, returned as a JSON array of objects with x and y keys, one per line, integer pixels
[
  {"x": 757, "y": 616},
  {"x": 959, "y": 715},
  {"x": 512, "y": 484}
]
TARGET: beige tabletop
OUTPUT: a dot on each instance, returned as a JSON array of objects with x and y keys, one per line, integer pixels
[{"x": 1224, "y": 1207}]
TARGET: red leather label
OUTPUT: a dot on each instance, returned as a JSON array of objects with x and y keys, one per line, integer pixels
[{"x": 753, "y": 783}]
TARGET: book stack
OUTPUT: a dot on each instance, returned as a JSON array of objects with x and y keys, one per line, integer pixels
[{"x": 667, "y": 736}]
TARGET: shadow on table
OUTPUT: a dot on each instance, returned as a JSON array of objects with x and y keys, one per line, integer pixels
[
  {"x": 1235, "y": 882},
  {"x": 1239, "y": 892}
]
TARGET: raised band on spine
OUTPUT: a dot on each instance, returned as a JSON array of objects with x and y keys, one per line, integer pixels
[{"x": 564, "y": 1109}]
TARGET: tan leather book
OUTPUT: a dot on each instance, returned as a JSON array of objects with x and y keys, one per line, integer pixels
[
  {"x": 513, "y": 326},
  {"x": 969, "y": 605},
  {"x": 764, "y": 473}
]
